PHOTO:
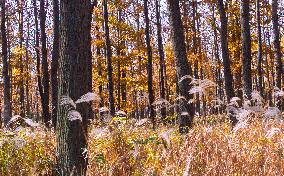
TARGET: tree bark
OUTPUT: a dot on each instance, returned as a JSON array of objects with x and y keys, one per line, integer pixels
[
  {"x": 54, "y": 61},
  {"x": 162, "y": 58},
  {"x": 44, "y": 66},
  {"x": 37, "y": 52},
  {"x": 276, "y": 44},
  {"x": 28, "y": 108},
  {"x": 7, "y": 111},
  {"x": 186, "y": 111},
  {"x": 226, "y": 59},
  {"x": 75, "y": 79},
  {"x": 22, "y": 89},
  {"x": 109, "y": 61},
  {"x": 246, "y": 48},
  {"x": 149, "y": 64},
  {"x": 259, "y": 50}
]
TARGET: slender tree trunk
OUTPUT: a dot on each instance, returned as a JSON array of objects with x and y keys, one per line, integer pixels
[
  {"x": 195, "y": 48},
  {"x": 37, "y": 49},
  {"x": 276, "y": 44},
  {"x": 259, "y": 50},
  {"x": 75, "y": 79},
  {"x": 109, "y": 60},
  {"x": 28, "y": 108},
  {"x": 186, "y": 111},
  {"x": 22, "y": 89},
  {"x": 123, "y": 70},
  {"x": 149, "y": 63},
  {"x": 162, "y": 58},
  {"x": 44, "y": 66},
  {"x": 54, "y": 62},
  {"x": 7, "y": 111},
  {"x": 219, "y": 91},
  {"x": 246, "y": 48},
  {"x": 226, "y": 59}
]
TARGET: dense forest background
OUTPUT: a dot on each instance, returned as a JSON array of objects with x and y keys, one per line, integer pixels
[{"x": 72, "y": 64}]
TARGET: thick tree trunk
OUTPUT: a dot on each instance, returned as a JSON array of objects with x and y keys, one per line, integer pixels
[
  {"x": 276, "y": 44},
  {"x": 246, "y": 48},
  {"x": 109, "y": 61},
  {"x": 226, "y": 59},
  {"x": 162, "y": 58},
  {"x": 149, "y": 63},
  {"x": 44, "y": 66},
  {"x": 54, "y": 62},
  {"x": 75, "y": 79},
  {"x": 7, "y": 111},
  {"x": 186, "y": 111}
]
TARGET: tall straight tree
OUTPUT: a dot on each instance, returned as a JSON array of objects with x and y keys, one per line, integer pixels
[
  {"x": 186, "y": 110},
  {"x": 54, "y": 62},
  {"x": 162, "y": 57},
  {"x": 44, "y": 66},
  {"x": 37, "y": 53},
  {"x": 109, "y": 60},
  {"x": 259, "y": 50},
  {"x": 21, "y": 40},
  {"x": 225, "y": 55},
  {"x": 7, "y": 111},
  {"x": 75, "y": 79},
  {"x": 149, "y": 63},
  {"x": 276, "y": 44},
  {"x": 246, "y": 48}
]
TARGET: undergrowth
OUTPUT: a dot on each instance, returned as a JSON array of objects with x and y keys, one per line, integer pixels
[{"x": 133, "y": 148}]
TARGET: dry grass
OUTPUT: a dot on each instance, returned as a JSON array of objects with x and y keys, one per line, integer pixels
[{"x": 208, "y": 149}]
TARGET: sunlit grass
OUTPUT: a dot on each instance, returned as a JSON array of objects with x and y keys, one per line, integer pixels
[{"x": 210, "y": 148}]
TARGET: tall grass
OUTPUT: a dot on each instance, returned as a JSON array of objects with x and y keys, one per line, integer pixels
[{"x": 210, "y": 148}]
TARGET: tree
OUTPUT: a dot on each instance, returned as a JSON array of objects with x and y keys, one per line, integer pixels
[
  {"x": 149, "y": 63},
  {"x": 259, "y": 50},
  {"x": 37, "y": 53},
  {"x": 183, "y": 69},
  {"x": 276, "y": 44},
  {"x": 21, "y": 36},
  {"x": 75, "y": 79},
  {"x": 246, "y": 48},
  {"x": 44, "y": 66},
  {"x": 109, "y": 60},
  {"x": 162, "y": 58},
  {"x": 7, "y": 114},
  {"x": 54, "y": 62},
  {"x": 225, "y": 55}
]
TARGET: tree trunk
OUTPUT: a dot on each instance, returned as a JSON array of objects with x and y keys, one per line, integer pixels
[
  {"x": 246, "y": 48},
  {"x": 75, "y": 79},
  {"x": 54, "y": 62},
  {"x": 37, "y": 52},
  {"x": 44, "y": 66},
  {"x": 162, "y": 58},
  {"x": 195, "y": 47},
  {"x": 28, "y": 108},
  {"x": 259, "y": 50},
  {"x": 276, "y": 44},
  {"x": 22, "y": 90},
  {"x": 186, "y": 111},
  {"x": 109, "y": 61},
  {"x": 7, "y": 114},
  {"x": 226, "y": 59},
  {"x": 149, "y": 63}
]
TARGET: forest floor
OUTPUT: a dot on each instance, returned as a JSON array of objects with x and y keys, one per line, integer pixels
[{"x": 133, "y": 148}]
